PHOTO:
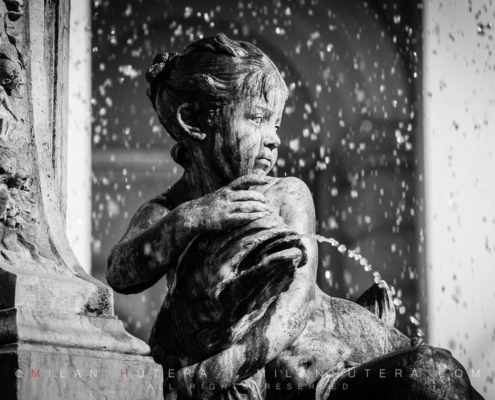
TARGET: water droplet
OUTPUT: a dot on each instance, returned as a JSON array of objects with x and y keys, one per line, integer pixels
[
  {"x": 342, "y": 248},
  {"x": 481, "y": 29},
  {"x": 294, "y": 144},
  {"x": 128, "y": 70}
]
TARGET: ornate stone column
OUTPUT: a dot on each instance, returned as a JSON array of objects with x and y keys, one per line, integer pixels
[{"x": 58, "y": 335}]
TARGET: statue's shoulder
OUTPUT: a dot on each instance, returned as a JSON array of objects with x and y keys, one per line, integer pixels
[
  {"x": 291, "y": 199},
  {"x": 149, "y": 212},
  {"x": 163, "y": 200},
  {"x": 289, "y": 185},
  {"x": 290, "y": 195}
]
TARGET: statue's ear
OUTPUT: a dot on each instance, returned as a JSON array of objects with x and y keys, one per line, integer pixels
[{"x": 190, "y": 124}]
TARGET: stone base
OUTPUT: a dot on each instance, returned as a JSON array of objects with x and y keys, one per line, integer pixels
[
  {"x": 29, "y": 371},
  {"x": 64, "y": 329}
]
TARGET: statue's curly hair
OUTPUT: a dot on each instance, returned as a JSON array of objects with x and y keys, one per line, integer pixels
[{"x": 208, "y": 74}]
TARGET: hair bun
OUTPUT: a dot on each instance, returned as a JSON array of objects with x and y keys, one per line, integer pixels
[
  {"x": 164, "y": 57},
  {"x": 179, "y": 154},
  {"x": 160, "y": 62}
]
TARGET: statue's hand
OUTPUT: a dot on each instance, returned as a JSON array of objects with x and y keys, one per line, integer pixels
[{"x": 231, "y": 206}]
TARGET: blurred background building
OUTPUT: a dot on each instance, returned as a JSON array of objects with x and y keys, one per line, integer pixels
[{"x": 389, "y": 122}]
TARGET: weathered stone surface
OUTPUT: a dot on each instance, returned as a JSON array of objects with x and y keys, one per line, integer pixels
[
  {"x": 67, "y": 329},
  {"x": 33, "y": 129},
  {"x": 64, "y": 293},
  {"x": 50, "y": 372}
]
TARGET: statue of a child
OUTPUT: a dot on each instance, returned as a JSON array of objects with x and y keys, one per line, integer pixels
[{"x": 222, "y": 101}]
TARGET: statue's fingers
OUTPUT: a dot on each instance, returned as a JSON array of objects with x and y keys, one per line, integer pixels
[
  {"x": 244, "y": 182},
  {"x": 245, "y": 195},
  {"x": 244, "y": 218},
  {"x": 244, "y": 207}
]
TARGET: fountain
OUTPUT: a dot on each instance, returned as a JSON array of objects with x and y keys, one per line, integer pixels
[{"x": 240, "y": 255}]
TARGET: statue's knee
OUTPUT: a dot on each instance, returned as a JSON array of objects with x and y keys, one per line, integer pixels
[
  {"x": 436, "y": 358},
  {"x": 439, "y": 367}
]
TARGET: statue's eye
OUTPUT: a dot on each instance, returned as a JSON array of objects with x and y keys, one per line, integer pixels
[{"x": 258, "y": 119}]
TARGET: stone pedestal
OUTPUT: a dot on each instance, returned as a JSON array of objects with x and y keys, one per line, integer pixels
[
  {"x": 48, "y": 372},
  {"x": 53, "y": 316}
]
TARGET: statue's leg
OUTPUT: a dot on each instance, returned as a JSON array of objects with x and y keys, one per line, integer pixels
[{"x": 423, "y": 372}]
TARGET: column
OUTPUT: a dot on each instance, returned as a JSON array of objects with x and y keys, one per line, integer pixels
[{"x": 56, "y": 321}]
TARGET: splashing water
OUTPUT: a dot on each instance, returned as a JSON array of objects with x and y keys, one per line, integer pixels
[
  {"x": 351, "y": 254},
  {"x": 482, "y": 28},
  {"x": 376, "y": 275}
]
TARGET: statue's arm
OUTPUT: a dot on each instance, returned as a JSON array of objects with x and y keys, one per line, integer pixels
[
  {"x": 156, "y": 236},
  {"x": 152, "y": 244},
  {"x": 285, "y": 318},
  {"x": 298, "y": 211}
]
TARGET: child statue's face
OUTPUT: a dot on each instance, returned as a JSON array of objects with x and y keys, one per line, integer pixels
[{"x": 247, "y": 140}]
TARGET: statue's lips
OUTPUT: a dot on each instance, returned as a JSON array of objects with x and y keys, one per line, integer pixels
[{"x": 264, "y": 161}]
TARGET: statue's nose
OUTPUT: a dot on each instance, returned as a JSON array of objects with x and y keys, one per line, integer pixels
[{"x": 272, "y": 141}]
